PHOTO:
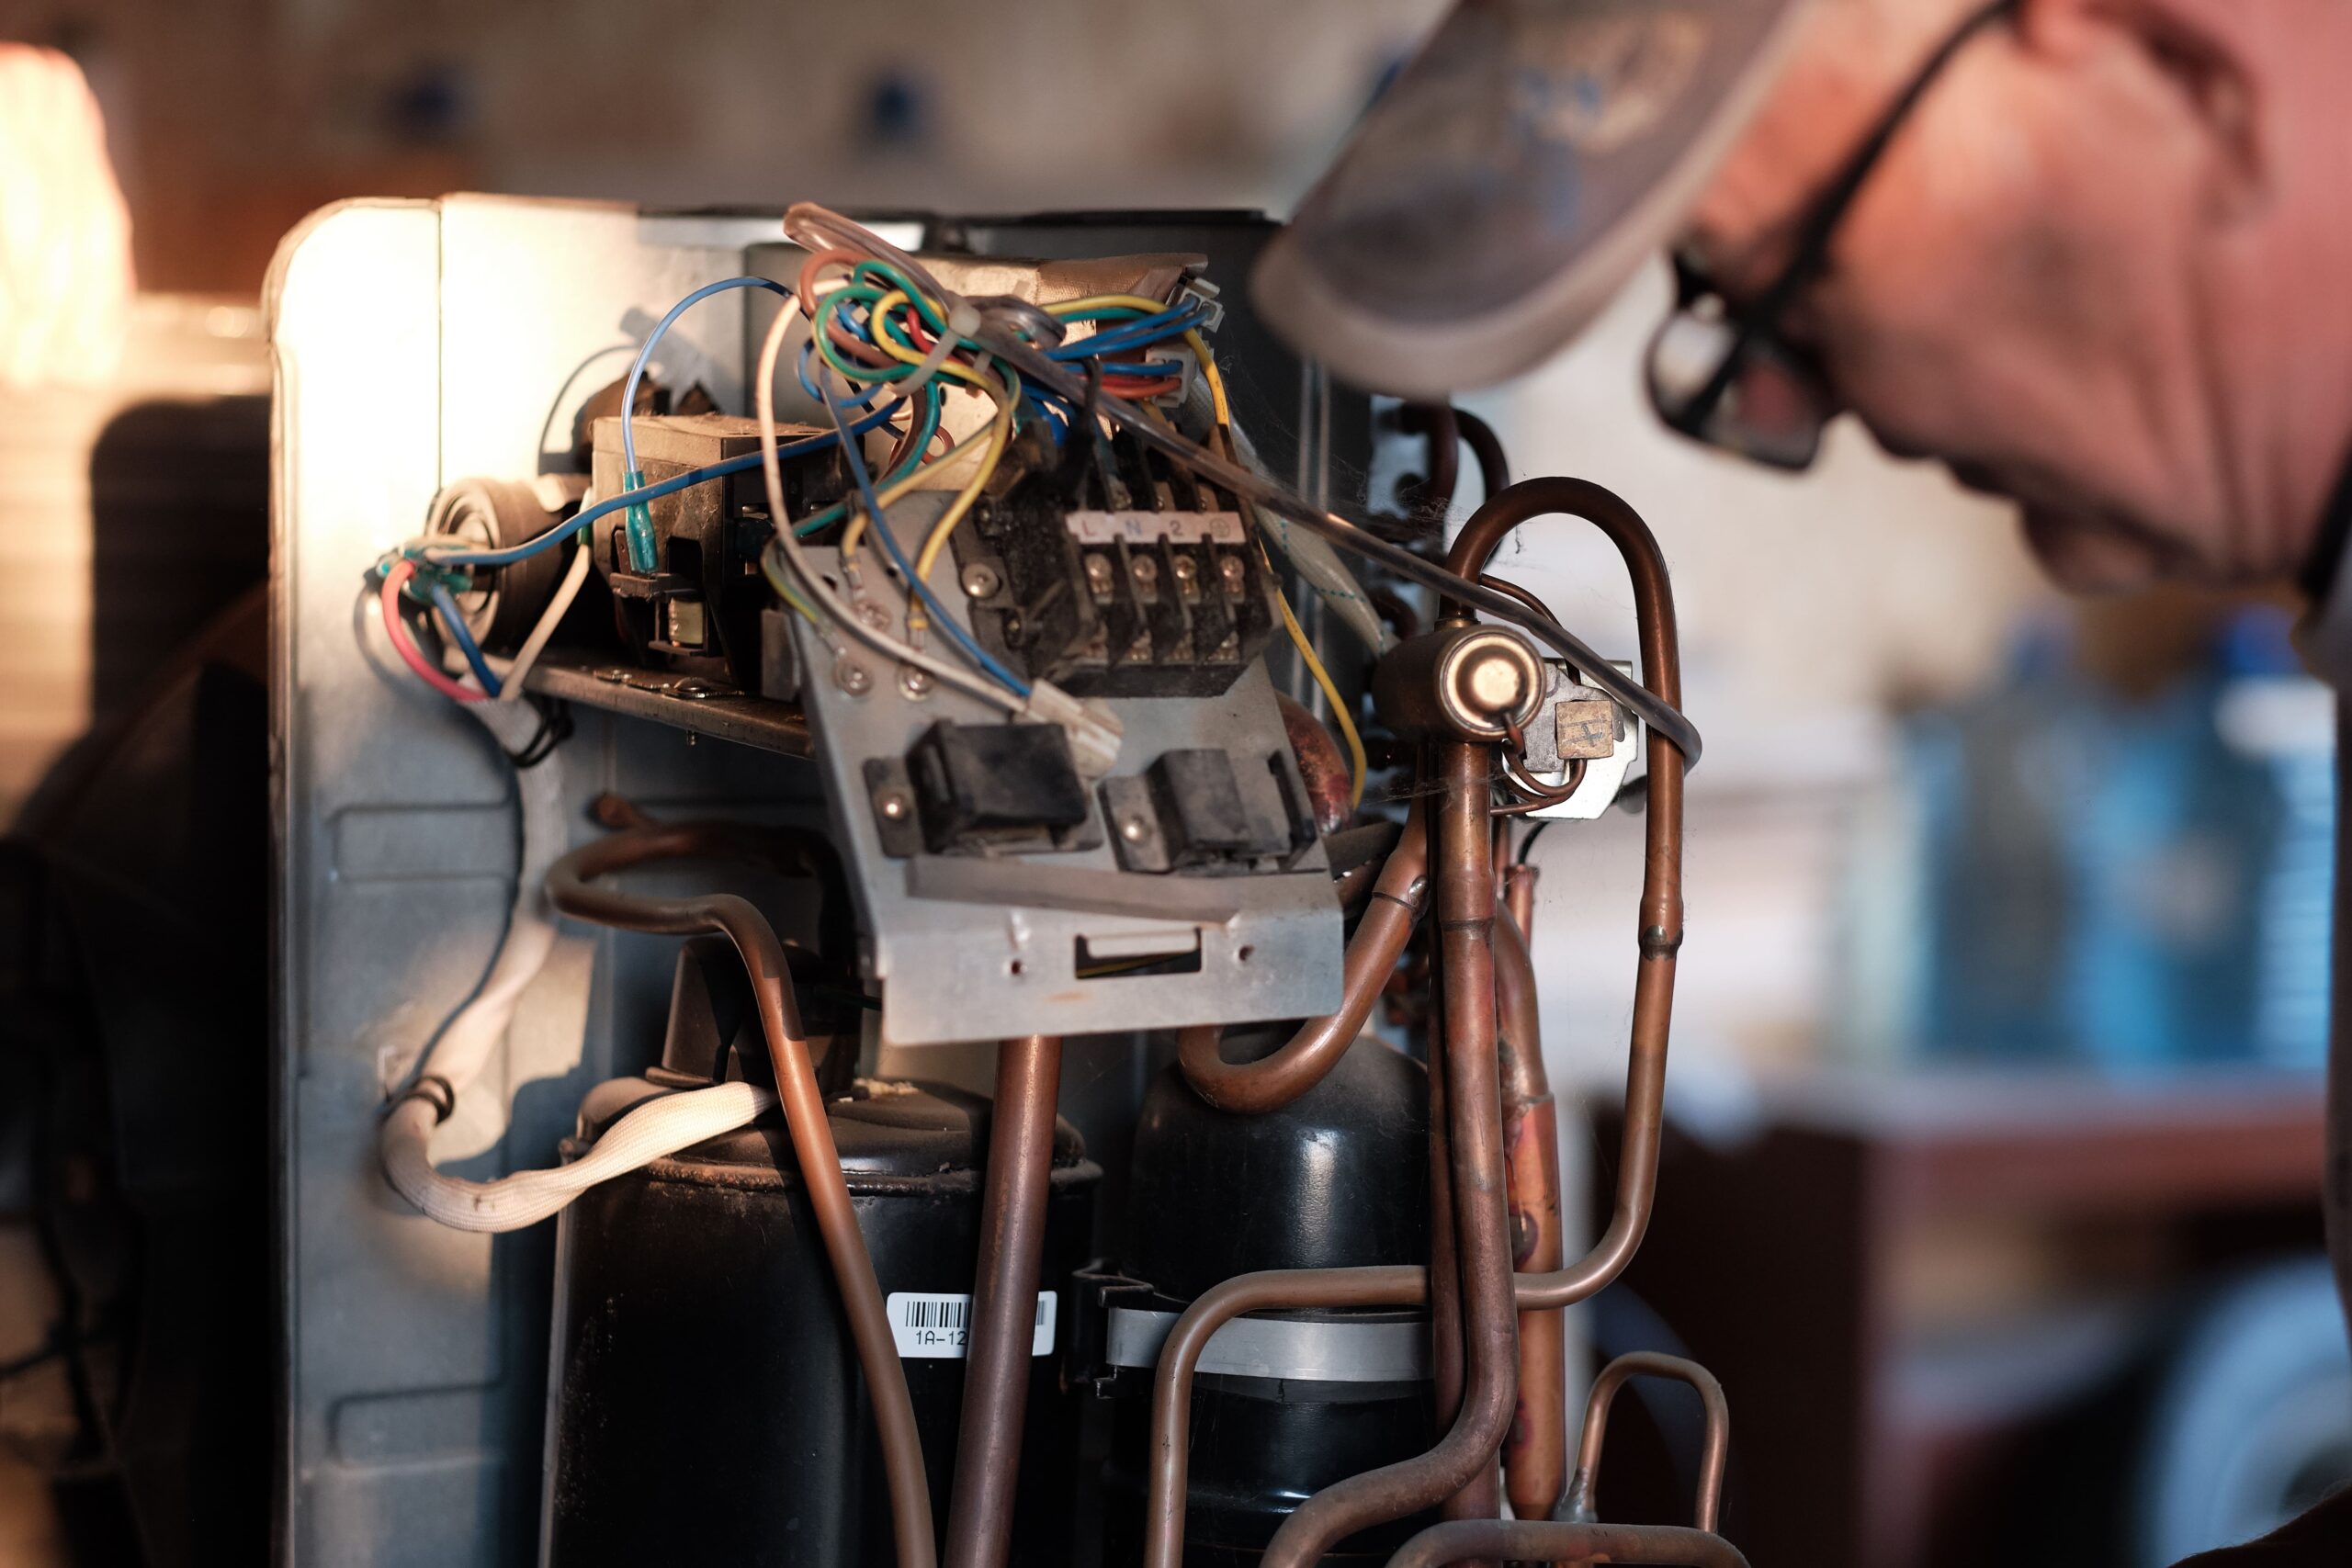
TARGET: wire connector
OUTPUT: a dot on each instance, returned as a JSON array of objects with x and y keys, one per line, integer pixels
[
  {"x": 642, "y": 558},
  {"x": 1198, "y": 291},
  {"x": 1094, "y": 730}
]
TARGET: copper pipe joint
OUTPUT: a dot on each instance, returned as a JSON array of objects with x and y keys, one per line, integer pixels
[{"x": 1713, "y": 1455}]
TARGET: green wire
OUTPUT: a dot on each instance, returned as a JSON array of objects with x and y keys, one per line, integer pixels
[{"x": 928, "y": 417}]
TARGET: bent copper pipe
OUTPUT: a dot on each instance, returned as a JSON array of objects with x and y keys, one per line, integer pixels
[
  {"x": 1714, "y": 1454},
  {"x": 1494, "y": 469},
  {"x": 1660, "y": 927},
  {"x": 1272, "y": 1289},
  {"x": 1540, "y": 1540},
  {"x": 1004, "y": 1301},
  {"x": 1275, "y": 1081},
  {"x": 1535, "y": 1454},
  {"x": 1287, "y": 1290},
  {"x": 571, "y": 888},
  {"x": 1465, "y": 907},
  {"x": 1660, "y": 922}
]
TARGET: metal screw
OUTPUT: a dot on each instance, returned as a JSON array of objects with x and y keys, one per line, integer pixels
[
  {"x": 894, "y": 805},
  {"x": 853, "y": 677},
  {"x": 914, "y": 681},
  {"x": 1231, "y": 569},
  {"x": 1146, "y": 569},
  {"x": 1186, "y": 569},
  {"x": 873, "y": 614},
  {"x": 1134, "y": 829},
  {"x": 980, "y": 580},
  {"x": 1097, "y": 572}
]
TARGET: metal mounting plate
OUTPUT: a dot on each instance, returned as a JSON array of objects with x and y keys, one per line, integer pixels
[{"x": 970, "y": 949}]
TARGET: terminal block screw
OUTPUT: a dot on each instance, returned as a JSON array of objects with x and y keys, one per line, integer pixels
[{"x": 1097, "y": 572}]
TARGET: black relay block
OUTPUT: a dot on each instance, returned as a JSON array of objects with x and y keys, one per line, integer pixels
[
  {"x": 998, "y": 786},
  {"x": 1113, "y": 573}
]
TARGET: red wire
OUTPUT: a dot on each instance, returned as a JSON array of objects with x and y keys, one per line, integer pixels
[
  {"x": 1129, "y": 389},
  {"x": 405, "y": 646}
]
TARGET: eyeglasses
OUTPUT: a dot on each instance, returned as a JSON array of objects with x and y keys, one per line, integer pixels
[{"x": 1729, "y": 378}]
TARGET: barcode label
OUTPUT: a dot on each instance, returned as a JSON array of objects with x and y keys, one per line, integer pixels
[{"x": 935, "y": 1326}]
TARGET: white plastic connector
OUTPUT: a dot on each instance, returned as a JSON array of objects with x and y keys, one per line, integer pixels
[
  {"x": 1199, "y": 290},
  {"x": 1094, "y": 730}
]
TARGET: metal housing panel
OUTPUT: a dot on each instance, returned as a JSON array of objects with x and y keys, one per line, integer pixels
[
  {"x": 416, "y": 343},
  {"x": 415, "y": 1355}
]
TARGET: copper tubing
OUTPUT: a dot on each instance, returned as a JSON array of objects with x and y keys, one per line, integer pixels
[
  {"x": 1519, "y": 897},
  {"x": 1535, "y": 1455},
  {"x": 1432, "y": 498},
  {"x": 1004, "y": 1301},
  {"x": 1273, "y": 1290},
  {"x": 572, "y": 889},
  {"x": 1465, "y": 907},
  {"x": 1538, "y": 1541},
  {"x": 1275, "y": 1081},
  {"x": 1286, "y": 1289},
  {"x": 1660, "y": 935},
  {"x": 1660, "y": 922},
  {"x": 1494, "y": 469},
  {"x": 1712, "y": 1454}
]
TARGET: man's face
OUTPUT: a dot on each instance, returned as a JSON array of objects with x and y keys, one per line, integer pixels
[{"x": 2022, "y": 288}]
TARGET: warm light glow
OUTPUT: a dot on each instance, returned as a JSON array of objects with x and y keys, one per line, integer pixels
[{"x": 65, "y": 277}]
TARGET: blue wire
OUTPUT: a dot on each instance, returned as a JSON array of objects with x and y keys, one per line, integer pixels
[
  {"x": 686, "y": 481},
  {"x": 840, "y": 509},
  {"x": 641, "y": 521},
  {"x": 808, "y": 384},
  {"x": 879, "y": 527},
  {"x": 454, "y": 620},
  {"x": 1131, "y": 335},
  {"x": 654, "y": 339}
]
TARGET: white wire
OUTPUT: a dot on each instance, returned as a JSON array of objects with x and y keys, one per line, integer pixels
[
  {"x": 1317, "y": 559},
  {"x": 813, "y": 584},
  {"x": 511, "y": 681},
  {"x": 660, "y": 1127}
]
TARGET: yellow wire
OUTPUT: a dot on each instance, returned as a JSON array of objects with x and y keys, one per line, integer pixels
[
  {"x": 1358, "y": 764},
  {"x": 1356, "y": 760},
  {"x": 999, "y": 437}
]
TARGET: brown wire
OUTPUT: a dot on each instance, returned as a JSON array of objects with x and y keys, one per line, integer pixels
[{"x": 572, "y": 889}]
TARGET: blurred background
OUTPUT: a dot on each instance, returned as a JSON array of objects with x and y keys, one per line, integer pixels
[{"x": 1992, "y": 1192}]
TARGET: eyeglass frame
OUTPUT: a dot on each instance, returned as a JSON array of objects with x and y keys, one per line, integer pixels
[{"x": 1756, "y": 328}]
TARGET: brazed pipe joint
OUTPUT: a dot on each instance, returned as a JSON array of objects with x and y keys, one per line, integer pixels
[
  {"x": 1461, "y": 682},
  {"x": 1577, "y": 1506}
]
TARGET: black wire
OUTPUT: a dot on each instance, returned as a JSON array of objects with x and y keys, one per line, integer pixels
[
  {"x": 1527, "y": 845},
  {"x": 555, "y": 728},
  {"x": 1666, "y": 722}
]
